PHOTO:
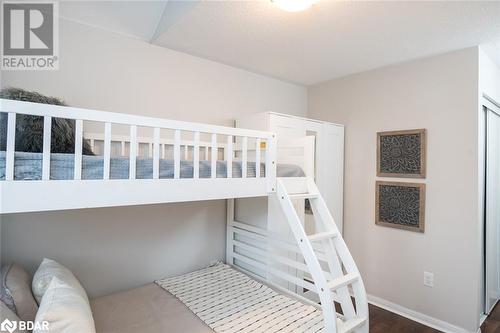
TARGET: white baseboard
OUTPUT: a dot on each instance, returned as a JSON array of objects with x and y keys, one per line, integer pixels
[{"x": 416, "y": 316}]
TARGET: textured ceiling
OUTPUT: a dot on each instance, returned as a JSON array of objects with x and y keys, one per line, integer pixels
[
  {"x": 330, "y": 40},
  {"x": 137, "y": 19}
]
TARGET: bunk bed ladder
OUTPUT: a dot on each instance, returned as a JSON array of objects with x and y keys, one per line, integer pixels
[{"x": 343, "y": 277}]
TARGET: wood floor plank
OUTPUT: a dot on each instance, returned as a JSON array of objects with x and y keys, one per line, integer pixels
[
  {"x": 383, "y": 321},
  {"x": 492, "y": 323}
]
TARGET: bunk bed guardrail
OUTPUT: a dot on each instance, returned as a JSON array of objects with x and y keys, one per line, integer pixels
[{"x": 79, "y": 190}]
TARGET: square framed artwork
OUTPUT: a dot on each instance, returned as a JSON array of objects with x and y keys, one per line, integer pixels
[
  {"x": 402, "y": 153},
  {"x": 400, "y": 205}
]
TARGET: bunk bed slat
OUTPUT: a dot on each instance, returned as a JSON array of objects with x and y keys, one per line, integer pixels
[
  {"x": 196, "y": 155},
  {"x": 78, "y": 149},
  {"x": 107, "y": 150},
  {"x": 10, "y": 149},
  {"x": 229, "y": 156},
  {"x": 213, "y": 158},
  {"x": 47, "y": 130},
  {"x": 133, "y": 151},
  {"x": 156, "y": 153},
  {"x": 244, "y": 157},
  {"x": 257, "y": 158},
  {"x": 177, "y": 154}
]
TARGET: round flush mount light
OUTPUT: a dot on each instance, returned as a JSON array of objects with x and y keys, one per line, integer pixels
[{"x": 293, "y": 5}]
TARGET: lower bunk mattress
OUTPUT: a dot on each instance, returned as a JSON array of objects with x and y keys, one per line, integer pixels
[
  {"x": 28, "y": 166},
  {"x": 214, "y": 299}
]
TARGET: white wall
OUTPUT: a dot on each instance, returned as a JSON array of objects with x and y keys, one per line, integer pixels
[
  {"x": 439, "y": 94},
  {"x": 489, "y": 77},
  {"x": 113, "y": 249}
]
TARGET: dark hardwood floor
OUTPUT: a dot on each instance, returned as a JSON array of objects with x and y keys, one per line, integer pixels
[
  {"x": 382, "y": 321},
  {"x": 492, "y": 323}
]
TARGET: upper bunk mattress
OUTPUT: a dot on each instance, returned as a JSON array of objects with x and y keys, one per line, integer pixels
[{"x": 28, "y": 166}]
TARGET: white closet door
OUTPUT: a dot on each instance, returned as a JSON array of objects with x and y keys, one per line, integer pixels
[{"x": 492, "y": 225}]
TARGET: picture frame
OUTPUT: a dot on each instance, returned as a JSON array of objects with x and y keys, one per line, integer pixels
[
  {"x": 402, "y": 153},
  {"x": 400, "y": 205}
]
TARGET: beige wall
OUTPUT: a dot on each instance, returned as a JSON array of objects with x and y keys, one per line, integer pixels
[
  {"x": 114, "y": 249},
  {"x": 439, "y": 94}
]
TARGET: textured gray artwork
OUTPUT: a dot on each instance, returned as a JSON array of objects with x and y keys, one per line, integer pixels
[
  {"x": 400, "y": 205},
  {"x": 402, "y": 153}
]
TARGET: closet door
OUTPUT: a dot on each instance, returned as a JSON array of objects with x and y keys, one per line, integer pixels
[{"x": 492, "y": 215}]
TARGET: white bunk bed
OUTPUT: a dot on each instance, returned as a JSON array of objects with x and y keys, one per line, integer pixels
[{"x": 234, "y": 163}]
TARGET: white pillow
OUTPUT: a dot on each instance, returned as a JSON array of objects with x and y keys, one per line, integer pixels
[
  {"x": 66, "y": 309},
  {"x": 44, "y": 274}
]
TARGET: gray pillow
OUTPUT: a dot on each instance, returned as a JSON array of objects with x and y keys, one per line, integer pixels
[
  {"x": 16, "y": 283},
  {"x": 5, "y": 295},
  {"x": 7, "y": 314}
]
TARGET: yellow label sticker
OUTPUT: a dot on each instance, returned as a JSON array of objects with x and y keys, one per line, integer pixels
[{"x": 263, "y": 145}]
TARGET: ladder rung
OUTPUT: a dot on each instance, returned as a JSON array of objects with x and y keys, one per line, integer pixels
[
  {"x": 322, "y": 235},
  {"x": 343, "y": 281},
  {"x": 303, "y": 196},
  {"x": 349, "y": 325}
]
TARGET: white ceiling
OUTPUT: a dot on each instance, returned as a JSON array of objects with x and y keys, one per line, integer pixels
[{"x": 330, "y": 40}]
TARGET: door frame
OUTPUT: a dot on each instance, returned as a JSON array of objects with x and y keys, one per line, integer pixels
[{"x": 487, "y": 104}]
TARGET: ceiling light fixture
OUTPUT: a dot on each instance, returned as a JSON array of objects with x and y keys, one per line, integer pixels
[{"x": 293, "y": 5}]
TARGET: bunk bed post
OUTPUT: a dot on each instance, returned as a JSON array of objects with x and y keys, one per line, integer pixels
[
  {"x": 177, "y": 154},
  {"x": 47, "y": 130},
  {"x": 213, "y": 158},
  {"x": 133, "y": 151},
  {"x": 78, "y": 149},
  {"x": 11, "y": 143},
  {"x": 257, "y": 158},
  {"x": 229, "y": 231},
  {"x": 271, "y": 163},
  {"x": 107, "y": 151},
  {"x": 244, "y": 156},
  {"x": 122, "y": 148},
  {"x": 229, "y": 156},
  {"x": 156, "y": 153},
  {"x": 196, "y": 155}
]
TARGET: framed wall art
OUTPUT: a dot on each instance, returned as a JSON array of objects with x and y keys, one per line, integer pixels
[
  {"x": 402, "y": 153},
  {"x": 400, "y": 205}
]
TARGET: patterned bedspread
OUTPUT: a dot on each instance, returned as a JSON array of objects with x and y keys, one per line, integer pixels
[
  {"x": 229, "y": 301},
  {"x": 28, "y": 166}
]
